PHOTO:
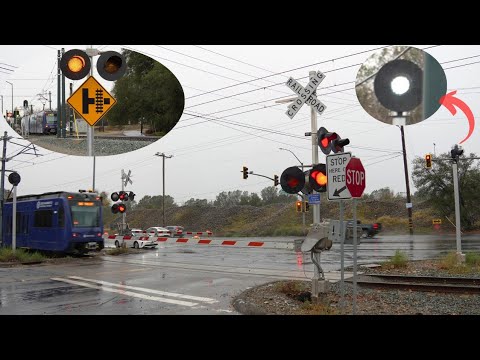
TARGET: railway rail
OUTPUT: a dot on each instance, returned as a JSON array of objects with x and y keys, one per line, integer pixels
[{"x": 420, "y": 283}]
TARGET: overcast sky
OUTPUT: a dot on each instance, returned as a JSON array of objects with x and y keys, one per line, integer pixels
[{"x": 231, "y": 118}]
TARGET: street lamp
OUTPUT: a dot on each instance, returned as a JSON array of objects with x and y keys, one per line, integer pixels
[
  {"x": 303, "y": 213},
  {"x": 163, "y": 198},
  {"x": 13, "y": 112}
]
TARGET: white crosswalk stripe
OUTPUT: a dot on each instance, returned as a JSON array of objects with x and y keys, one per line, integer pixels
[
  {"x": 152, "y": 291},
  {"x": 127, "y": 293},
  {"x": 123, "y": 290}
]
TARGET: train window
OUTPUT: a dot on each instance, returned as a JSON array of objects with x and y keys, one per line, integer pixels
[
  {"x": 83, "y": 216},
  {"x": 43, "y": 218},
  {"x": 24, "y": 224},
  {"x": 61, "y": 217}
]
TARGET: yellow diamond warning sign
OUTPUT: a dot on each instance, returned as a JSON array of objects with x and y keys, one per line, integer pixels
[{"x": 91, "y": 101}]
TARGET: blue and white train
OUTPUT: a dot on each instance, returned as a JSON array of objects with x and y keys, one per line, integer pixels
[
  {"x": 63, "y": 222},
  {"x": 42, "y": 122}
]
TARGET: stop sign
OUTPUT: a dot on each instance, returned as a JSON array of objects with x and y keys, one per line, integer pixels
[{"x": 355, "y": 177}]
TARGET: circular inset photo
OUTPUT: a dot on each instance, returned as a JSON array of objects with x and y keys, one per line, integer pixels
[
  {"x": 401, "y": 85},
  {"x": 103, "y": 103}
]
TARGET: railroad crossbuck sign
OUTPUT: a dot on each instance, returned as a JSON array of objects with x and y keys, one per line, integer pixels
[
  {"x": 91, "y": 101},
  {"x": 336, "y": 177},
  {"x": 305, "y": 95},
  {"x": 355, "y": 177}
]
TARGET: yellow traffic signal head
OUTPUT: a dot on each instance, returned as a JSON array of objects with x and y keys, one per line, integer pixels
[
  {"x": 298, "y": 205},
  {"x": 111, "y": 65},
  {"x": 428, "y": 161},
  {"x": 75, "y": 64}
]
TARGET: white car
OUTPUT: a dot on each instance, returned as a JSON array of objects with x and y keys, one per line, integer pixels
[
  {"x": 137, "y": 242},
  {"x": 158, "y": 231}
]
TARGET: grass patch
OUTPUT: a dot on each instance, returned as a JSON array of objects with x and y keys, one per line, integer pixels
[
  {"x": 472, "y": 259},
  {"x": 452, "y": 265},
  {"x": 117, "y": 251},
  {"x": 399, "y": 260},
  {"x": 20, "y": 255}
]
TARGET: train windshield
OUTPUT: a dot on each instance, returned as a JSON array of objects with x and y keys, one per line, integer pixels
[
  {"x": 51, "y": 119},
  {"x": 85, "y": 216}
]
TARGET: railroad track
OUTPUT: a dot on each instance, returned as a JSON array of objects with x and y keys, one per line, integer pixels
[
  {"x": 420, "y": 283},
  {"x": 124, "y": 138}
]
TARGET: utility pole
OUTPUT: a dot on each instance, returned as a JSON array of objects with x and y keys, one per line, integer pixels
[{"x": 163, "y": 197}]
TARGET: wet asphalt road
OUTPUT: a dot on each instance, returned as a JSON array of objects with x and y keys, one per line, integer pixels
[{"x": 183, "y": 278}]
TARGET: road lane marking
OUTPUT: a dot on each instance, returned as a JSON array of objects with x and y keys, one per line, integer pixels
[
  {"x": 127, "y": 293},
  {"x": 157, "y": 292}
]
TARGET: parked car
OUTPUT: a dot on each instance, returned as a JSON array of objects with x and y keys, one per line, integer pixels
[
  {"x": 176, "y": 231},
  {"x": 138, "y": 232},
  {"x": 157, "y": 231}
]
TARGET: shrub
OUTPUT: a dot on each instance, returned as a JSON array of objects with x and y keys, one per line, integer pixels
[{"x": 399, "y": 260}]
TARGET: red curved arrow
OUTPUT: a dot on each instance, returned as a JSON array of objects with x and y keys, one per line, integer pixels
[{"x": 449, "y": 101}]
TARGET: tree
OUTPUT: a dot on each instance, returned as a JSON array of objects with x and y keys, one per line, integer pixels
[
  {"x": 255, "y": 200},
  {"x": 269, "y": 195},
  {"x": 155, "y": 202},
  {"x": 196, "y": 202},
  {"x": 231, "y": 198},
  {"x": 148, "y": 92},
  {"x": 436, "y": 186}
]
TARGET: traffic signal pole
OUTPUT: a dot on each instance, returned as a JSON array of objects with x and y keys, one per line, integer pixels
[
  {"x": 407, "y": 182},
  {"x": 316, "y": 207},
  {"x": 457, "y": 208}
]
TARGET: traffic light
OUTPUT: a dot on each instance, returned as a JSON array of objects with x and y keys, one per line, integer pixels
[
  {"x": 330, "y": 141},
  {"x": 298, "y": 206},
  {"x": 119, "y": 208},
  {"x": 123, "y": 196},
  {"x": 456, "y": 152},
  {"x": 428, "y": 161},
  {"x": 131, "y": 196},
  {"x": 292, "y": 180},
  {"x": 317, "y": 178},
  {"x": 75, "y": 64},
  {"x": 114, "y": 196},
  {"x": 111, "y": 65},
  {"x": 307, "y": 206},
  {"x": 245, "y": 172},
  {"x": 275, "y": 180}
]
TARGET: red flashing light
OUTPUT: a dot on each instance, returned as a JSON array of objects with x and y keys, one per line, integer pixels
[
  {"x": 321, "y": 179},
  {"x": 375, "y": 226},
  {"x": 292, "y": 182}
]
